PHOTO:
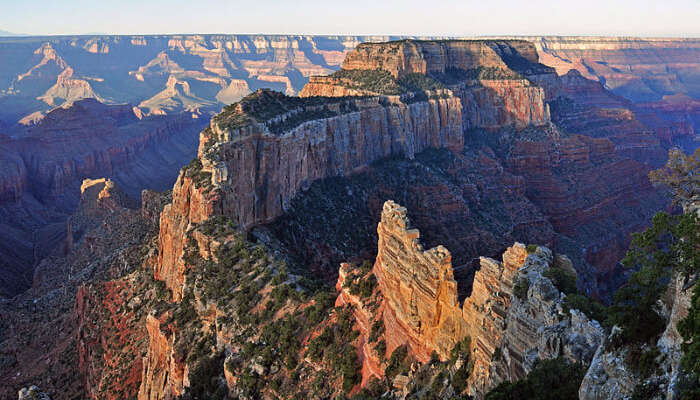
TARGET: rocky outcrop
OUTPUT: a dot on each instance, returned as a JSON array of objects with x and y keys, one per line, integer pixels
[
  {"x": 610, "y": 375},
  {"x": 537, "y": 326},
  {"x": 488, "y": 76},
  {"x": 510, "y": 329},
  {"x": 163, "y": 375},
  {"x": 32, "y": 393},
  {"x": 268, "y": 170},
  {"x": 422, "y": 309}
]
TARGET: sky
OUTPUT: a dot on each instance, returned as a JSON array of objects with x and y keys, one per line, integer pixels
[{"x": 354, "y": 17}]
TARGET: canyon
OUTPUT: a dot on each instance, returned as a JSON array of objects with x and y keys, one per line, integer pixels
[
  {"x": 231, "y": 275},
  {"x": 44, "y": 167}
]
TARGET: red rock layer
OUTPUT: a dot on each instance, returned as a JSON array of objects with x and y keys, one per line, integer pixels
[{"x": 163, "y": 374}]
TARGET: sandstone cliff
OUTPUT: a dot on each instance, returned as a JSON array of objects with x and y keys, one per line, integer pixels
[{"x": 510, "y": 330}]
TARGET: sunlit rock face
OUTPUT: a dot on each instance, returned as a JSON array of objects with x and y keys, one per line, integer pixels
[{"x": 509, "y": 331}]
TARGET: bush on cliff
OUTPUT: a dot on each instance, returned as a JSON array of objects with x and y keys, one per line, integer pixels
[
  {"x": 670, "y": 244},
  {"x": 555, "y": 379},
  {"x": 398, "y": 362},
  {"x": 522, "y": 285}
]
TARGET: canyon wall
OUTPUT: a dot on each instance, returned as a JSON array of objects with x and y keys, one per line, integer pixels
[
  {"x": 404, "y": 57},
  {"x": 639, "y": 69},
  {"x": 201, "y": 73},
  {"x": 43, "y": 169},
  {"x": 159, "y": 73}
]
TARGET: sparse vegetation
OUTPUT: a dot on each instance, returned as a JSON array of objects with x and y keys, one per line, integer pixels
[
  {"x": 556, "y": 379},
  {"x": 522, "y": 285}
]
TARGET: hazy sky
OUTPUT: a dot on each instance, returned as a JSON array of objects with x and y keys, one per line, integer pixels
[{"x": 395, "y": 17}]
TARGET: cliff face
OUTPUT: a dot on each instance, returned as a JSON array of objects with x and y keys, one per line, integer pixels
[
  {"x": 268, "y": 170},
  {"x": 437, "y": 57},
  {"x": 636, "y": 68},
  {"x": 253, "y": 174},
  {"x": 576, "y": 180},
  {"x": 489, "y": 77},
  {"x": 611, "y": 374}
]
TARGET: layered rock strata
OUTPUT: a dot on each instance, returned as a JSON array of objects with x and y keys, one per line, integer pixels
[
  {"x": 419, "y": 287},
  {"x": 251, "y": 174},
  {"x": 509, "y": 333}
]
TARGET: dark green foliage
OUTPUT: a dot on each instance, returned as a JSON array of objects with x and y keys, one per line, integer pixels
[
  {"x": 218, "y": 226},
  {"x": 376, "y": 81},
  {"x": 459, "y": 379},
  {"x": 283, "y": 335},
  {"x": 460, "y": 349},
  {"x": 334, "y": 346},
  {"x": 645, "y": 391},
  {"x": 689, "y": 328},
  {"x": 323, "y": 301},
  {"x": 162, "y": 291},
  {"x": 380, "y": 349},
  {"x": 643, "y": 361},
  {"x": 361, "y": 286},
  {"x": 309, "y": 114},
  {"x": 416, "y": 82},
  {"x": 377, "y": 330},
  {"x": 204, "y": 379},
  {"x": 591, "y": 308},
  {"x": 555, "y": 379},
  {"x": 398, "y": 362},
  {"x": 185, "y": 312},
  {"x": 265, "y": 105},
  {"x": 373, "y": 391},
  {"x": 562, "y": 279},
  {"x": 670, "y": 244},
  {"x": 522, "y": 285},
  {"x": 194, "y": 170},
  {"x": 688, "y": 386}
]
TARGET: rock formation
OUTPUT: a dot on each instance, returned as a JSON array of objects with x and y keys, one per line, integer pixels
[
  {"x": 509, "y": 333},
  {"x": 419, "y": 288}
]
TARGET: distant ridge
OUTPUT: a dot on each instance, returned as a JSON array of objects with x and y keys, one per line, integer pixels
[{"x": 6, "y": 33}]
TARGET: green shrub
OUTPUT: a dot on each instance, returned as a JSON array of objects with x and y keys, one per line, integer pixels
[
  {"x": 555, "y": 379},
  {"x": 531, "y": 248},
  {"x": 377, "y": 330},
  {"x": 380, "y": 349},
  {"x": 522, "y": 285},
  {"x": 643, "y": 362},
  {"x": 397, "y": 362},
  {"x": 461, "y": 349},
  {"x": 591, "y": 308},
  {"x": 562, "y": 279}
]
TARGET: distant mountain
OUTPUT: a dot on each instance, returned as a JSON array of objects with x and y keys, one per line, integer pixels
[{"x": 6, "y": 33}]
